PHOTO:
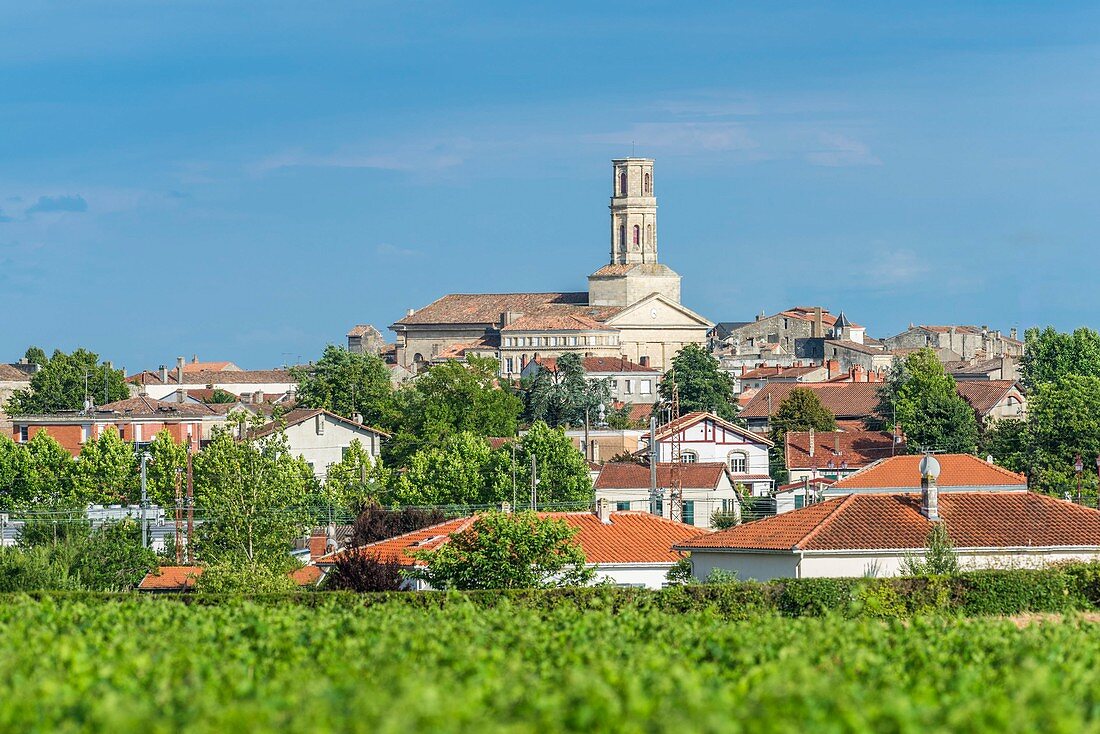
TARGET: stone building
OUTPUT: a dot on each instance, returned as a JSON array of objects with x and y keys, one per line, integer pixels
[
  {"x": 631, "y": 310},
  {"x": 365, "y": 339},
  {"x": 964, "y": 342}
]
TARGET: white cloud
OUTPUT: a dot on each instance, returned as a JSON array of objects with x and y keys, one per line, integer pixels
[
  {"x": 841, "y": 150},
  {"x": 894, "y": 268},
  {"x": 385, "y": 249},
  {"x": 682, "y": 137}
]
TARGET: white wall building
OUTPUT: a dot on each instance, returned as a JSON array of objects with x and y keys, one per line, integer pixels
[
  {"x": 706, "y": 489},
  {"x": 704, "y": 438},
  {"x": 322, "y": 438}
]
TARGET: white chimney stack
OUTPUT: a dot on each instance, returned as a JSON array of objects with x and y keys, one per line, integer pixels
[
  {"x": 929, "y": 492},
  {"x": 603, "y": 510}
]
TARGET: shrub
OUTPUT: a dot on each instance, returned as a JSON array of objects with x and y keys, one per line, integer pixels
[
  {"x": 376, "y": 523},
  {"x": 361, "y": 572},
  {"x": 814, "y": 597}
]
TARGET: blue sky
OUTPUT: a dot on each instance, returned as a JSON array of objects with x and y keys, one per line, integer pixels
[{"x": 246, "y": 181}]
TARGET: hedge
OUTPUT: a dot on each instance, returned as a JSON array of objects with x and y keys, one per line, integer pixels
[{"x": 1063, "y": 588}]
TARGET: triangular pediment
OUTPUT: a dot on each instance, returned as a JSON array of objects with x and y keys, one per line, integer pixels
[{"x": 656, "y": 308}]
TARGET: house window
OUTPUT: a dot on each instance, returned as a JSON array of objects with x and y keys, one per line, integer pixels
[
  {"x": 689, "y": 457},
  {"x": 572, "y": 341},
  {"x": 614, "y": 385},
  {"x": 24, "y": 432},
  {"x": 728, "y": 505},
  {"x": 622, "y": 506},
  {"x": 622, "y": 182},
  {"x": 799, "y": 502},
  {"x": 660, "y": 508},
  {"x": 622, "y": 236},
  {"x": 646, "y": 387},
  {"x": 648, "y": 184},
  {"x": 509, "y": 365},
  {"x": 637, "y": 235},
  {"x": 649, "y": 234},
  {"x": 689, "y": 512},
  {"x": 738, "y": 462},
  {"x": 629, "y": 386}
]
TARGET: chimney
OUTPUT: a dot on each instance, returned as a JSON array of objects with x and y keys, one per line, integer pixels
[
  {"x": 643, "y": 361},
  {"x": 179, "y": 370},
  {"x": 836, "y": 443},
  {"x": 258, "y": 397},
  {"x": 318, "y": 545},
  {"x": 181, "y": 396},
  {"x": 819, "y": 328},
  {"x": 410, "y": 312},
  {"x": 506, "y": 508},
  {"x": 603, "y": 510},
  {"x": 1012, "y": 333},
  {"x": 163, "y": 375},
  {"x": 858, "y": 375},
  {"x": 194, "y": 359},
  {"x": 811, "y": 443},
  {"x": 357, "y": 418},
  {"x": 929, "y": 492},
  {"x": 833, "y": 368}
]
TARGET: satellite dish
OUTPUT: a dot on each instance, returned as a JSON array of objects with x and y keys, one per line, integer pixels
[{"x": 929, "y": 467}]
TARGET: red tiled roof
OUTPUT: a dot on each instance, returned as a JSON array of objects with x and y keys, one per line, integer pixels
[
  {"x": 622, "y": 475},
  {"x": 856, "y": 448},
  {"x": 301, "y": 415},
  {"x": 171, "y": 578},
  {"x": 207, "y": 378},
  {"x": 777, "y": 371},
  {"x": 956, "y": 470},
  {"x": 306, "y": 575},
  {"x": 224, "y": 366},
  {"x": 894, "y": 521},
  {"x": 555, "y": 320},
  {"x": 814, "y": 482},
  {"x": 690, "y": 419},
  {"x": 630, "y": 537},
  {"x": 143, "y": 406},
  {"x": 843, "y": 399},
  {"x": 14, "y": 372},
  {"x": 983, "y": 395},
  {"x": 486, "y": 308}
]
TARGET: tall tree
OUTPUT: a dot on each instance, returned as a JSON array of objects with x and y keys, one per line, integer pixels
[
  {"x": 507, "y": 551},
  {"x": 356, "y": 480},
  {"x": 1008, "y": 441},
  {"x": 106, "y": 471},
  {"x": 801, "y": 410},
  {"x": 1050, "y": 354},
  {"x": 451, "y": 398},
  {"x": 347, "y": 383},
  {"x": 36, "y": 355},
  {"x": 701, "y": 383},
  {"x": 461, "y": 470},
  {"x": 17, "y": 486},
  {"x": 167, "y": 461},
  {"x": 561, "y": 470},
  {"x": 565, "y": 396},
  {"x": 923, "y": 399},
  {"x": 65, "y": 381},
  {"x": 1063, "y": 422},
  {"x": 253, "y": 497},
  {"x": 52, "y": 470}
]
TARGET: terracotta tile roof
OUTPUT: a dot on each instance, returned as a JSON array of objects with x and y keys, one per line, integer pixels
[
  {"x": 621, "y": 475},
  {"x": 857, "y": 448},
  {"x": 14, "y": 372},
  {"x": 144, "y": 406},
  {"x": 556, "y": 320},
  {"x": 893, "y": 521},
  {"x": 170, "y": 578},
  {"x": 459, "y": 351},
  {"x": 690, "y": 419},
  {"x": 983, "y": 395},
  {"x": 844, "y": 399},
  {"x": 363, "y": 329},
  {"x": 630, "y": 537},
  {"x": 207, "y": 378},
  {"x": 599, "y": 364},
  {"x": 640, "y": 412},
  {"x": 182, "y": 578},
  {"x": 301, "y": 415},
  {"x": 956, "y": 470},
  {"x": 778, "y": 371},
  {"x": 806, "y": 313},
  {"x": 819, "y": 482},
  {"x": 486, "y": 308},
  {"x": 209, "y": 367}
]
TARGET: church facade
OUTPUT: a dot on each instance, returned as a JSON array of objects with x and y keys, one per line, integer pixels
[{"x": 632, "y": 307}]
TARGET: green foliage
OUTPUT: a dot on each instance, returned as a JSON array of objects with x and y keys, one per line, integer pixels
[
  {"x": 619, "y": 418},
  {"x": 562, "y": 473},
  {"x": 721, "y": 519},
  {"x": 462, "y": 470},
  {"x": 448, "y": 399},
  {"x": 36, "y": 355},
  {"x": 801, "y": 410},
  {"x": 1008, "y": 441},
  {"x": 254, "y": 499},
  {"x": 701, "y": 384},
  {"x": 167, "y": 462},
  {"x": 356, "y": 480},
  {"x": 223, "y": 397},
  {"x": 17, "y": 483},
  {"x": 106, "y": 472},
  {"x": 922, "y": 397},
  {"x": 51, "y": 473},
  {"x": 64, "y": 380},
  {"x": 66, "y": 554},
  {"x": 347, "y": 383},
  {"x": 560, "y": 398},
  {"x": 244, "y": 577},
  {"x": 1050, "y": 355},
  {"x": 507, "y": 551},
  {"x": 940, "y": 559},
  {"x": 681, "y": 574},
  {"x": 1063, "y": 421},
  {"x": 112, "y": 558}
]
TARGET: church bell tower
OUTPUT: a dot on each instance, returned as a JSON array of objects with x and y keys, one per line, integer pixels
[{"x": 633, "y": 212}]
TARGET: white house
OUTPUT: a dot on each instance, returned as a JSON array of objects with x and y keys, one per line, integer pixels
[
  {"x": 624, "y": 548},
  {"x": 322, "y": 438},
  {"x": 705, "y": 490},
  {"x": 704, "y": 438},
  {"x": 873, "y": 532}
]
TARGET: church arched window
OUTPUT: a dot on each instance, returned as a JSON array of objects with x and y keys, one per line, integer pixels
[
  {"x": 622, "y": 183},
  {"x": 649, "y": 234},
  {"x": 622, "y": 235},
  {"x": 637, "y": 235},
  {"x": 648, "y": 185}
]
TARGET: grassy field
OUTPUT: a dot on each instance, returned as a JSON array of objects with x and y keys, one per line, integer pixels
[{"x": 151, "y": 665}]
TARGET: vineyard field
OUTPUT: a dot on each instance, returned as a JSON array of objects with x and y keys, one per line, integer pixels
[{"x": 150, "y": 665}]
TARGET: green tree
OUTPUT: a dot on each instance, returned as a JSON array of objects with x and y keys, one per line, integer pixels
[
  {"x": 924, "y": 400},
  {"x": 51, "y": 472},
  {"x": 701, "y": 383},
  {"x": 463, "y": 470},
  {"x": 564, "y": 396},
  {"x": 72, "y": 555},
  {"x": 1050, "y": 355},
  {"x": 244, "y": 577},
  {"x": 36, "y": 355},
  {"x": 1008, "y": 441},
  {"x": 1064, "y": 421},
  {"x": 112, "y": 558},
  {"x": 562, "y": 473},
  {"x": 106, "y": 471},
  {"x": 940, "y": 558},
  {"x": 65, "y": 381},
  {"x": 507, "y": 551},
  {"x": 451, "y": 398},
  {"x": 253, "y": 497},
  {"x": 801, "y": 410},
  {"x": 222, "y": 397},
  {"x": 347, "y": 383},
  {"x": 167, "y": 462},
  {"x": 17, "y": 486},
  {"x": 356, "y": 480}
]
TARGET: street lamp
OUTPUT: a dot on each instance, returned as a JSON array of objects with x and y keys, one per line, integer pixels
[{"x": 1078, "y": 466}]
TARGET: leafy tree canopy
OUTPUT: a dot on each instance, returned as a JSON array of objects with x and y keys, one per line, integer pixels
[
  {"x": 357, "y": 479},
  {"x": 507, "y": 551},
  {"x": 106, "y": 472},
  {"x": 461, "y": 470},
  {"x": 65, "y": 380},
  {"x": 347, "y": 383},
  {"x": 36, "y": 355},
  {"x": 924, "y": 400},
  {"x": 701, "y": 383},
  {"x": 561, "y": 470},
  {"x": 1050, "y": 355},
  {"x": 1064, "y": 421},
  {"x": 376, "y": 523},
  {"x": 801, "y": 410},
  {"x": 167, "y": 461},
  {"x": 562, "y": 397}
]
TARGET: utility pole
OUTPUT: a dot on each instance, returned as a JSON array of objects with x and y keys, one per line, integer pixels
[
  {"x": 587, "y": 450},
  {"x": 179, "y": 517},
  {"x": 190, "y": 508},
  {"x": 534, "y": 483},
  {"x": 514, "y": 474},
  {"x": 654, "y": 457},
  {"x": 144, "y": 503}
]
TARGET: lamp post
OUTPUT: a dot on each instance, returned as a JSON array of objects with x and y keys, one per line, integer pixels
[
  {"x": 144, "y": 502},
  {"x": 1078, "y": 466}
]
